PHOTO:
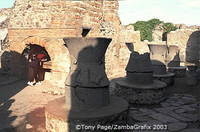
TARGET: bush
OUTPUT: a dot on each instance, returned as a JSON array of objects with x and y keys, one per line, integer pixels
[{"x": 146, "y": 28}]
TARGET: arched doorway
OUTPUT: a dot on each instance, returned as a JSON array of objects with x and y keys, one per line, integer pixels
[
  {"x": 43, "y": 57},
  {"x": 59, "y": 58}
]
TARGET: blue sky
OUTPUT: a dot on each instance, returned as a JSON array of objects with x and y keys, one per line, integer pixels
[{"x": 130, "y": 11}]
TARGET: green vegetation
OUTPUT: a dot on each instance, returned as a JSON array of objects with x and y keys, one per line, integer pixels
[
  {"x": 146, "y": 28},
  {"x": 168, "y": 27}
]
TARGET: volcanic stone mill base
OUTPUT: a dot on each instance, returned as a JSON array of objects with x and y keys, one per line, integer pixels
[
  {"x": 141, "y": 94},
  {"x": 167, "y": 78},
  {"x": 60, "y": 118}
]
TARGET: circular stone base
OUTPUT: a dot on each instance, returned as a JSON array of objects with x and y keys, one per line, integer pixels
[
  {"x": 167, "y": 78},
  {"x": 141, "y": 94},
  {"x": 179, "y": 71},
  {"x": 59, "y": 118}
]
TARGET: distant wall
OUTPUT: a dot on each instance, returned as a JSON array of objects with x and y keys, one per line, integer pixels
[{"x": 188, "y": 42}]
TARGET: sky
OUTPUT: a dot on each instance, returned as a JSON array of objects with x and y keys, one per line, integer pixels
[
  {"x": 130, "y": 11},
  {"x": 6, "y": 3},
  {"x": 176, "y": 11}
]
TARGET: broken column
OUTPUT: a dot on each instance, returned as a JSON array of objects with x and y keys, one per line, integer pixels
[
  {"x": 138, "y": 86},
  {"x": 87, "y": 99},
  {"x": 174, "y": 62},
  {"x": 158, "y": 52},
  {"x": 160, "y": 73}
]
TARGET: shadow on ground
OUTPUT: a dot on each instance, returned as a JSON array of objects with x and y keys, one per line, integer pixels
[
  {"x": 36, "y": 120},
  {"x": 8, "y": 90},
  {"x": 6, "y": 94}
]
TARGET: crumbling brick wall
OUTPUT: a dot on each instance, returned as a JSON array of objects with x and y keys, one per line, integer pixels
[
  {"x": 4, "y": 20},
  {"x": 46, "y": 22}
]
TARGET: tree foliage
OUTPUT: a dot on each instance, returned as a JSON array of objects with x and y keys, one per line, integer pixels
[
  {"x": 146, "y": 28},
  {"x": 168, "y": 27}
]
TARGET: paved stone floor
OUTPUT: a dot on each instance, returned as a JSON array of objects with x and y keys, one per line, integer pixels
[{"x": 179, "y": 112}]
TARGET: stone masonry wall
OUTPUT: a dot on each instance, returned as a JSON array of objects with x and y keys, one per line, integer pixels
[
  {"x": 188, "y": 41},
  {"x": 129, "y": 35},
  {"x": 4, "y": 20},
  {"x": 47, "y": 22}
]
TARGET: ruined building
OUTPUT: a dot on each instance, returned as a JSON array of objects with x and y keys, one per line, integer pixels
[{"x": 46, "y": 23}]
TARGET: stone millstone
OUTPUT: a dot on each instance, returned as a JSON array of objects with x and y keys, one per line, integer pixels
[
  {"x": 139, "y": 69},
  {"x": 179, "y": 71},
  {"x": 158, "y": 52},
  {"x": 159, "y": 68},
  {"x": 192, "y": 67},
  {"x": 87, "y": 99},
  {"x": 160, "y": 73},
  {"x": 87, "y": 62},
  {"x": 153, "y": 86},
  {"x": 138, "y": 86},
  {"x": 139, "y": 63},
  {"x": 59, "y": 115},
  {"x": 141, "y": 94},
  {"x": 172, "y": 54},
  {"x": 87, "y": 82},
  {"x": 168, "y": 78}
]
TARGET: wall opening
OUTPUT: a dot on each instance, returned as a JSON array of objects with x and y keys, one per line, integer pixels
[{"x": 42, "y": 56}]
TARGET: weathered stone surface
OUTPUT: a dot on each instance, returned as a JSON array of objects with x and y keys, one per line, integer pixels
[
  {"x": 127, "y": 34},
  {"x": 138, "y": 116},
  {"x": 158, "y": 52},
  {"x": 18, "y": 125},
  {"x": 163, "y": 118},
  {"x": 147, "y": 111},
  {"x": 139, "y": 63},
  {"x": 192, "y": 117},
  {"x": 179, "y": 71},
  {"x": 174, "y": 115},
  {"x": 165, "y": 104},
  {"x": 158, "y": 33},
  {"x": 60, "y": 117},
  {"x": 176, "y": 126},
  {"x": 191, "y": 78},
  {"x": 142, "y": 94},
  {"x": 191, "y": 130},
  {"x": 187, "y": 40},
  {"x": 53, "y": 20}
]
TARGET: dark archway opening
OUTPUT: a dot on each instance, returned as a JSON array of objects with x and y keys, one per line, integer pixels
[
  {"x": 164, "y": 36},
  {"x": 43, "y": 57}
]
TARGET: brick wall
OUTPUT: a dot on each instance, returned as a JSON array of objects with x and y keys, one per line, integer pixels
[{"x": 50, "y": 21}]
